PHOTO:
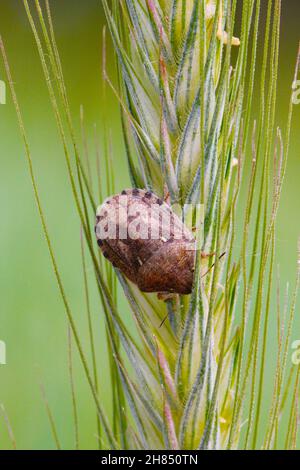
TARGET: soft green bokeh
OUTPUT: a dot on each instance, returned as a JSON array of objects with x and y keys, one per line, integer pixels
[{"x": 32, "y": 318}]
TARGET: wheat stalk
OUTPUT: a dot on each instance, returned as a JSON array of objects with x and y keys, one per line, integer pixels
[{"x": 186, "y": 113}]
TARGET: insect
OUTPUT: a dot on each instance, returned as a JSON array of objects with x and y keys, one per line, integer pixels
[{"x": 142, "y": 237}]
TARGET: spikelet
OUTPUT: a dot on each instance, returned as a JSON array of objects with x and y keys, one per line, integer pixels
[{"x": 182, "y": 118}]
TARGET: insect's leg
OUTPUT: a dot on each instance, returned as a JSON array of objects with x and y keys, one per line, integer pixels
[
  {"x": 169, "y": 298},
  {"x": 163, "y": 321},
  {"x": 207, "y": 255},
  {"x": 220, "y": 257},
  {"x": 167, "y": 197},
  {"x": 166, "y": 296}
]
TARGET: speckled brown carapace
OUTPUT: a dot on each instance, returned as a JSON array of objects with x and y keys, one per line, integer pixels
[{"x": 142, "y": 237}]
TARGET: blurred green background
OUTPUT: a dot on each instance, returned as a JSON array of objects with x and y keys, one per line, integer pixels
[{"x": 32, "y": 318}]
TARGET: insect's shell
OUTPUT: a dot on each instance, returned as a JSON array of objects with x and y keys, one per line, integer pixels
[{"x": 154, "y": 265}]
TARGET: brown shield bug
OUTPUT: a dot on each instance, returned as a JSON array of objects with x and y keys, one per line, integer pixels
[{"x": 142, "y": 237}]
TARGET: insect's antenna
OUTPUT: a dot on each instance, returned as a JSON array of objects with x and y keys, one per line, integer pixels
[
  {"x": 220, "y": 257},
  {"x": 163, "y": 321}
]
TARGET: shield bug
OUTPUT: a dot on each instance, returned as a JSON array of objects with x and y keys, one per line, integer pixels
[{"x": 142, "y": 237}]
